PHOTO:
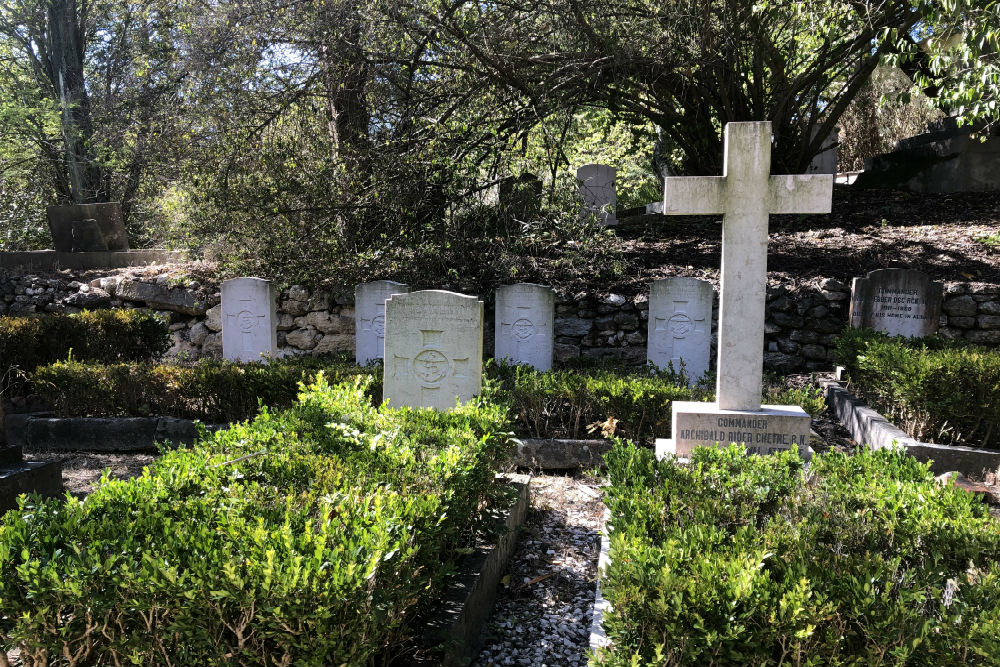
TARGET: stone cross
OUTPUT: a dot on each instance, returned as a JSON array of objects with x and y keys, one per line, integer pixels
[{"x": 745, "y": 195}]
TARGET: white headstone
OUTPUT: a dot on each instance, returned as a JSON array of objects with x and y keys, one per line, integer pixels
[
  {"x": 369, "y": 318},
  {"x": 249, "y": 324},
  {"x": 825, "y": 162},
  {"x": 524, "y": 320},
  {"x": 900, "y": 302},
  {"x": 680, "y": 325},
  {"x": 433, "y": 349},
  {"x": 745, "y": 195},
  {"x": 599, "y": 192}
]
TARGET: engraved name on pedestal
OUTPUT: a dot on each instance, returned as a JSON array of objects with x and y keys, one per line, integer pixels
[{"x": 433, "y": 349}]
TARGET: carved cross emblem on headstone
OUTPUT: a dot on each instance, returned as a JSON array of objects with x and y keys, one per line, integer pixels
[
  {"x": 746, "y": 194},
  {"x": 247, "y": 322}
]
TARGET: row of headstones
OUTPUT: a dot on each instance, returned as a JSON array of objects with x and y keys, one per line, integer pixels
[
  {"x": 680, "y": 325},
  {"x": 433, "y": 340},
  {"x": 596, "y": 186}
]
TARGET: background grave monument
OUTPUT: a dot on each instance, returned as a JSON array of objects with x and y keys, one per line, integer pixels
[
  {"x": 900, "y": 302},
  {"x": 745, "y": 195},
  {"x": 524, "y": 319},
  {"x": 680, "y": 325},
  {"x": 369, "y": 318},
  {"x": 433, "y": 349},
  {"x": 599, "y": 192},
  {"x": 249, "y": 324},
  {"x": 87, "y": 227}
]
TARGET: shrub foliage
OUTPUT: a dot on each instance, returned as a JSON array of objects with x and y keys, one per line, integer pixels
[
  {"x": 310, "y": 536},
  {"x": 100, "y": 336},
  {"x": 937, "y": 390},
  {"x": 749, "y": 560}
]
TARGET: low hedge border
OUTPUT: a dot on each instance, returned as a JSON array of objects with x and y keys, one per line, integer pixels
[
  {"x": 740, "y": 559},
  {"x": 315, "y": 535}
]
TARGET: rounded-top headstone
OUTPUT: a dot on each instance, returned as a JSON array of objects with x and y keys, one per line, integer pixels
[
  {"x": 599, "y": 192},
  {"x": 680, "y": 325},
  {"x": 433, "y": 349},
  {"x": 369, "y": 318},
  {"x": 524, "y": 319},
  {"x": 900, "y": 302},
  {"x": 249, "y": 324}
]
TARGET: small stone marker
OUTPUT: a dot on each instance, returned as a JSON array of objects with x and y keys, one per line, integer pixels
[
  {"x": 680, "y": 325},
  {"x": 900, "y": 302},
  {"x": 369, "y": 318},
  {"x": 600, "y": 195},
  {"x": 825, "y": 162},
  {"x": 249, "y": 324},
  {"x": 433, "y": 349},
  {"x": 745, "y": 195},
  {"x": 524, "y": 320}
]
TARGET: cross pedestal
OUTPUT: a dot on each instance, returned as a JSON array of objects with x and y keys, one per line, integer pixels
[{"x": 744, "y": 195}]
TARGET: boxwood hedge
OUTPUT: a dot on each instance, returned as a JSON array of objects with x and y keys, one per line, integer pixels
[
  {"x": 311, "y": 536},
  {"x": 752, "y": 560}
]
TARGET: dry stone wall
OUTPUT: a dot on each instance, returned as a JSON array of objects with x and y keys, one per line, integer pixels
[{"x": 801, "y": 324}]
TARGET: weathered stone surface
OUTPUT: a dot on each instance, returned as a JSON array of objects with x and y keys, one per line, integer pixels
[
  {"x": 212, "y": 345},
  {"x": 433, "y": 349},
  {"x": 333, "y": 343},
  {"x": 828, "y": 325},
  {"x": 964, "y": 306},
  {"x": 198, "y": 333},
  {"x": 369, "y": 320},
  {"x": 524, "y": 325},
  {"x": 599, "y": 192},
  {"x": 832, "y": 284},
  {"x": 44, "y": 477},
  {"x": 286, "y": 322},
  {"x": 295, "y": 308},
  {"x": 330, "y": 324},
  {"x": 988, "y": 321},
  {"x": 831, "y": 295},
  {"x": 249, "y": 322},
  {"x": 780, "y": 362},
  {"x": 772, "y": 428},
  {"x": 213, "y": 318},
  {"x": 813, "y": 351},
  {"x": 93, "y": 298},
  {"x": 961, "y": 322},
  {"x": 900, "y": 302},
  {"x": 563, "y": 352},
  {"x": 304, "y": 339},
  {"x": 788, "y": 321},
  {"x": 991, "y": 336},
  {"x": 573, "y": 326},
  {"x": 161, "y": 297},
  {"x": 680, "y": 325},
  {"x": 990, "y": 308},
  {"x": 298, "y": 293}
]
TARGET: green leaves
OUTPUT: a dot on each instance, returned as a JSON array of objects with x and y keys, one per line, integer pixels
[{"x": 742, "y": 559}]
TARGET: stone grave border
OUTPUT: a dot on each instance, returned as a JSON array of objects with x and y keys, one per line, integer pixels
[
  {"x": 598, "y": 637},
  {"x": 457, "y": 622},
  {"x": 52, "y": 260},
  {"x": 869, "y": 427}
]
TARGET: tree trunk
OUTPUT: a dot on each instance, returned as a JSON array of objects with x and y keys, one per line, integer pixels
[{"x": 65, "y": 69}]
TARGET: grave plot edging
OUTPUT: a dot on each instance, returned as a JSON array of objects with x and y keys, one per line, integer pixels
[
  {"x": 27, "y": 477},
  {"x": 560, "y": 453},
  {"x": 872, "y": 429},
  {"x": 457, "y": 624},
  {"x": 598, "y": 636},
  {"x": 104, "y": 434}
]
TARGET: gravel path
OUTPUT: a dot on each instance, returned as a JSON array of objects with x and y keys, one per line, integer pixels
[{"x": 542, "y": 613}]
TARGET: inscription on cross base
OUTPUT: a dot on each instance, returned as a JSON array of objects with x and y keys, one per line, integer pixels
[{"x": 744, "y": 195}]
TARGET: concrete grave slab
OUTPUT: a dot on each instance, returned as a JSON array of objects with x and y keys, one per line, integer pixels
[
  {"x": 680, "y": 325},
  {"x": 249, "y": 323}
]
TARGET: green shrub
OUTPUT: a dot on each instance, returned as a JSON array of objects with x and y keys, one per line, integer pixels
[
  {"x": 210, "y": 390},
  {"x": 100, "y": 336},
  {"x": 811, "y": 399},
  {"x": 749, "y": 560},
  {"x": 935, "y": 389},
  {"x": 588, "y": 403},
  {"x": 311, "y": 536}
]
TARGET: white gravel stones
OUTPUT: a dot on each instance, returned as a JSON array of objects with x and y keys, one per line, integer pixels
[{"x": 542, "y": 616}]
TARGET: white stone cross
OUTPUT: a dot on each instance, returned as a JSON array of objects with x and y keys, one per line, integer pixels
[{"x": 745, "y": 195}]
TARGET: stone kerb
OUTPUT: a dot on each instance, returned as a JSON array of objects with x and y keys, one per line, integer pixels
[
  {"x": 900, "y": 302},
  {"x": 369, "y": 321},
  {"x": 249, "y": 321},
  {"x": 433, "y": 349},
  {"x": 524, "y": 323}
]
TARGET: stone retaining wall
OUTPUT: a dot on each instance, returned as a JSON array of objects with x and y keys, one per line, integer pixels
[{"x": 801, "y": 324}]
